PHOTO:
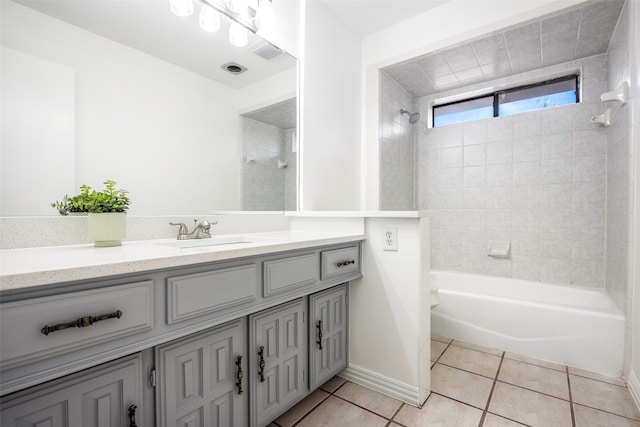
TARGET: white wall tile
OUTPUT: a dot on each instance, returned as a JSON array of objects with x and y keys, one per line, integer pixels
[
  {"x": 499, "y": 152},
  {"x": 498, "y": 197},
  {"x": 452, "y": 157},
  {"x": 475, "y": 176},
  {"x": 557, "y": 171},
  {"x": 475, "y": 155},
  {"x": 557, "y": 146},
  {"x": 499, "y": 175},
  {"x": 527, "y": 173},
  {"x": 527, "y": 148}
]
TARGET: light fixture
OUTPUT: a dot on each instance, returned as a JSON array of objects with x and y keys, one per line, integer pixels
[
  {"x": 209, "y": 19},
  {"x": 181, "y": 7},
  {"x": 238, "y": 6},
  {"x": 238, "y": 36},
  {"x": 265, "y": 16}
]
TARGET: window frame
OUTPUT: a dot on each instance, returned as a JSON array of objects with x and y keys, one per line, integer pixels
[{"x": 496, "y": 96}]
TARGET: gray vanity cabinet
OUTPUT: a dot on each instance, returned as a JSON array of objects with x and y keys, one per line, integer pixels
[
  {"x": 101, "y": 396},
  {"x": 278, "y": 359},
  {"x": 200, "y": 379},
  {"x": 328, "y": 334}
]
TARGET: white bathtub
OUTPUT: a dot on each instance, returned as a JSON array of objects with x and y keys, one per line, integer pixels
[{"x": 574, "y": 326}]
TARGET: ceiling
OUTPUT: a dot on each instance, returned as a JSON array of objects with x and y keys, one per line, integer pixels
[
  {"x": 364, "y": 17},
  {"x": 575, "y": 33},
  {"x": 281, "y": 115},
  {"x": 150, "y": 27}
]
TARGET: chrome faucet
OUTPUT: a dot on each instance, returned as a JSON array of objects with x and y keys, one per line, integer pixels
[{"x": 202, "y": 230}]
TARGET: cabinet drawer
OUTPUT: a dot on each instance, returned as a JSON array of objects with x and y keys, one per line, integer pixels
[
  {"x": 24, "y": 323},
  {"x": 285, "y": 274},
  {"x": 338, "y": 262},
  {"x": 198, "y": 294}
]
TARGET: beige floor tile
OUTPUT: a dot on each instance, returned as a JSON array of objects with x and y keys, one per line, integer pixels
[
  {"x": 460, "y": 385},
  {"x": 604, "y": 396},
  {"x": 477, "y": 347},
  {"x": 369, "y": 399},
  {"x": 439, "y": 411},
  {"x": 538, "y": 362},
  {"x": 529, "y": 407},
  {"x": 441, "y": 338},
  {"x": 596, "y": 376},
  {"x": 492, "y": 420},
  {"x": 333, "y": 384},
  {"x": 589, "y": 417},
  {"x": 535, "y": 378},
  {"x": 301, "y": 409},
  {"x": 336, "y": 412},
  {"x": 437, "y": 348},
  {"x": 471, "y": 360}
]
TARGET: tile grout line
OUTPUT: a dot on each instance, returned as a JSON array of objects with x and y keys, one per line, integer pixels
[
  {"x": 330, "y": 393},
  {"x": 573, "y": 415},
  {"x": 493, "y": 386}
]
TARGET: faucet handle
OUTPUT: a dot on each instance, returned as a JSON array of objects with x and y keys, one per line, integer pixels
[{"x": 182, "y": 231}]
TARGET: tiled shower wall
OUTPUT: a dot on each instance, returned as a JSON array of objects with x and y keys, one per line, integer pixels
[
  {"x": 396, "y": 147},
  {"x": 264, "y": 184},
  {"x": 620, "y": 163},
  {"x": 536, "y": 180}
]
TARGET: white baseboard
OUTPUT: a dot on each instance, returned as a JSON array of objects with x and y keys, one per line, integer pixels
[
  {"x": 385, "y": 385},
  {"x": 633, "y": 384}
]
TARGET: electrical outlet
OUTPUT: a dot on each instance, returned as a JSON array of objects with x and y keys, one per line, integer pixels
[{"x": 390, "y": 242}]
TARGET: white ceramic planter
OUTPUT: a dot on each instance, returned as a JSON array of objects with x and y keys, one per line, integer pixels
[{"x": 107, "y": 229}]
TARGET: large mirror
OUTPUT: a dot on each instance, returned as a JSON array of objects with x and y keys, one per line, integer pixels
[{"x": 126, "y": 90}]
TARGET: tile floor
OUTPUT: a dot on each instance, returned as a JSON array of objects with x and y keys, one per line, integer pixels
[{"x": 477, "y": 386}]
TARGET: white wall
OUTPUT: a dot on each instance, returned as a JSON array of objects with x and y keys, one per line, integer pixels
[
  {"x": 156, "y": 129},
  {"x": 634, "y": 377},
  {"x": 389, "y": 326},
  {"x": 330, "y": 153},
  {"x": 451, "y": 23},
  {"x": 38, "y": 106}
]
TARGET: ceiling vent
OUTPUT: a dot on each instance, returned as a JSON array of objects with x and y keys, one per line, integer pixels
[
  {"x": 233, "y": 68},
  {"x": 265, "y": 50}
]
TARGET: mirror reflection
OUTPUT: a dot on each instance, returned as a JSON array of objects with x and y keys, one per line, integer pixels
[{"x": 128, "y": 91}]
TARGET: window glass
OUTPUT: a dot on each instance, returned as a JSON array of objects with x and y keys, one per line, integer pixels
[
  {"x": 547, "y": 94},
  {"x": 465, "y": 111},
  {"x": 537, "y": 97}
]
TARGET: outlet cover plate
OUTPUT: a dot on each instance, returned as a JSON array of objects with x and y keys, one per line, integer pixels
[{"x": 390, "y": 239}]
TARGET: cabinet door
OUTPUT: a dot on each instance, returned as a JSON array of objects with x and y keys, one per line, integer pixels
[
  {"x": 328, "y": 332},
  {"x": 98, "y": 397},
  {"x": 278, "y": 338},
  {"x": 200, "y": 380}
]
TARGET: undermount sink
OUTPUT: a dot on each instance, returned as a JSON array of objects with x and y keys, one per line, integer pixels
[{"x": 217, "y": 241}]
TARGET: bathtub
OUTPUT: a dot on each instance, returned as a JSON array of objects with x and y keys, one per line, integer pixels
[{"x": 579, "y": 327}]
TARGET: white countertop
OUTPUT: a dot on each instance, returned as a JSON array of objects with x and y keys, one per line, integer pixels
[{"x": 21, "y": 268}]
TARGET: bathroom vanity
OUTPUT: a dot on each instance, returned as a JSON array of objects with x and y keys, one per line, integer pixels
[{"x": 231, "y": 333}]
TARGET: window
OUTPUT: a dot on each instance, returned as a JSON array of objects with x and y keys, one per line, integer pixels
[{"x": 551, "y": 93}]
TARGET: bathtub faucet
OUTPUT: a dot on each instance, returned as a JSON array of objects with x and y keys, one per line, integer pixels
[{"x": 201, "y": 230}]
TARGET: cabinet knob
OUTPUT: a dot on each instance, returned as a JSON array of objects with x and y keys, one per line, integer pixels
[
  {"x": 262, "y": 364},
  {"x": 240, "y": 374},
  {"x": 319, "y": 342},
  {"x": 132, "y": 416},
  {"x": 345, "y": 263}
]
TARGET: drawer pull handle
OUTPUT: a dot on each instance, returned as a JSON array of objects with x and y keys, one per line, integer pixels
[
  {"x": 240, "y": 374},
  {"x": 319, "y": 326},
  {"x": 345, "y": 263},
  {"x": 262, "y": 364},
  {"x": 132, "y": 416},
  {"x": 81, "y": 322}
]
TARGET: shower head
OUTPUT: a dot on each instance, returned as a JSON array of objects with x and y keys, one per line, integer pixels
[{"x": 412, "y": 117}]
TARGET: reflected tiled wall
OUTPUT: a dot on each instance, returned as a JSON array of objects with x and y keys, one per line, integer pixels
[
  {"x": 396, "y": 147},
  {"x": 262, "y": 182},
  {"x": 535, "y": 179},
  {"x": 619, "y": 169}
]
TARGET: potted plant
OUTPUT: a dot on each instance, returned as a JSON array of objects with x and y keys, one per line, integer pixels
[
  {"x": 107, "y": 215},
  {"x": 76, "y": 205}
]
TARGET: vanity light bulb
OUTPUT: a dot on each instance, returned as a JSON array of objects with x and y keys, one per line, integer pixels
[
  {"x": 238, "y": 6},
  {"x": 265, "y": 16},
  {"x": 181, "y": 7},
  {"x": 209, "y": 19},
  {"x": 238, "y": 36}
]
